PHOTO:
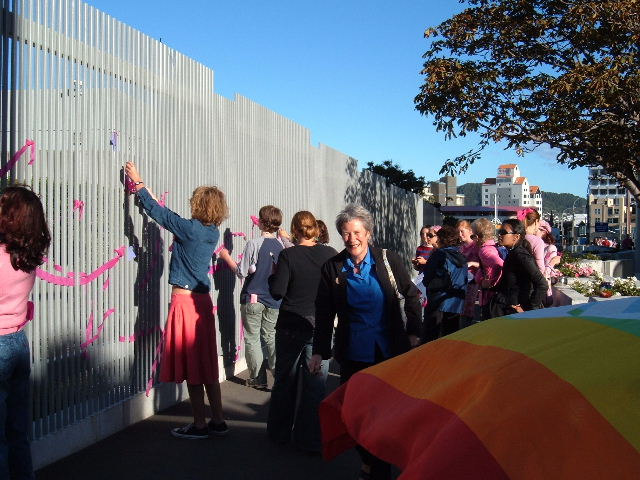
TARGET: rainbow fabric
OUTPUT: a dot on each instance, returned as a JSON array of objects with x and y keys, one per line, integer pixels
[{"x": 547, "y": 394}]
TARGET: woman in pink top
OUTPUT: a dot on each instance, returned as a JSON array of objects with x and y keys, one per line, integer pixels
[
  {"x": 491, "y": 262},
  {"x": 469, "y": 248},
  {"x": 531, "y": 220},
  {"x": 551, "y": 257},
  {"x": 24, "y": 239}
]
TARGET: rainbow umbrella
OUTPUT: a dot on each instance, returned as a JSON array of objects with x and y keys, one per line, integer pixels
[{"x": 546, "y": 394}]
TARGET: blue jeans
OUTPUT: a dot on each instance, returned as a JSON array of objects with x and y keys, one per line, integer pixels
[
  {"x": 15, "y": 368},
  {"x": 297, "y": 393}
]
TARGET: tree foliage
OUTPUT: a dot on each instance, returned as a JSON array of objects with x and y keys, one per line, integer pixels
[
  {"x": 395, "y": 175},
  {"x": 561, "y": 73}
]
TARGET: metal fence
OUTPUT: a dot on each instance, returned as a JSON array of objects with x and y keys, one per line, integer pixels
[{"x": 90, "y": 93}]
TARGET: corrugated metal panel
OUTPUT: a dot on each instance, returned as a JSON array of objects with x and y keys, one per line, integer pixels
[{"x": 93, "y": 93}]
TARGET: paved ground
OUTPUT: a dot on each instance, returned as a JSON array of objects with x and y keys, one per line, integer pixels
[{"x": 146, "y": 450}]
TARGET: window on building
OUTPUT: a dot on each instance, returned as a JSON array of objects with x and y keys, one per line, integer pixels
[
  {"x": 612, "y": 191},
  {"x": 614, "y": 220},
  {"x": 598, "y": 219},
  {"x": 603, "y": 191},
  {"x": 621, "y": 191},
  {"x": 594, "y": 191}
]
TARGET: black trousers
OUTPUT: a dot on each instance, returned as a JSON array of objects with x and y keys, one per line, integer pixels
[{"x": 438, "y": 324}]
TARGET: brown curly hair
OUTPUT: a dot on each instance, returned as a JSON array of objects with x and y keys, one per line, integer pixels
[
  {"x": 208, "y": 204},
  {"x": 448, "y": 236},
  {"x": 23, "y": 228}
]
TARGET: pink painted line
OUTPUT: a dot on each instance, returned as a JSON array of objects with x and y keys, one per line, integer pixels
[
  {"x": 255, "y": 220},
  {"x": 106, "y": 283},
  {"x": 28, "y": 144},
  {"x": 57, "y": 268},
  {"x": 218, "y": 250}
]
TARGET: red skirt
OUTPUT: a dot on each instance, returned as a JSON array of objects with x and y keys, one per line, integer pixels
[{"x": 190, "y": 349}]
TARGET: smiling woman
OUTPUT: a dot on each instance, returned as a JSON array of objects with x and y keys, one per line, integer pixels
[{"x": 362, "y": 285}]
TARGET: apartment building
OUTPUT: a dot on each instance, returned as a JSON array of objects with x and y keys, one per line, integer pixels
[
  {"x": 612, "y": 210},
  {"x": 510, "y": 188}
]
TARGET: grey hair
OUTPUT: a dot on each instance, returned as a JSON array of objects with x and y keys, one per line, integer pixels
[{"x": 355, "y": 212}]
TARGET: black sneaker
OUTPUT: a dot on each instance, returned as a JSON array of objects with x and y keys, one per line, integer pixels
[
  {"x": 190, "y": 432},
  {"x": 218, "y": 429},
  {"x": 255, "y": 383}
]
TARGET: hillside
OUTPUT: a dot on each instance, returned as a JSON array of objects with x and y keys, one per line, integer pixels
[{"x": 550, "y": 201}]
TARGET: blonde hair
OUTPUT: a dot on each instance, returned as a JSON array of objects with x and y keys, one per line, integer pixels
[
  {"x": 484, "y": 229},
  {"x": 304, "y": 226},
  {"x": 208, "y": 204},
  {"x": 464, "y": 224}
]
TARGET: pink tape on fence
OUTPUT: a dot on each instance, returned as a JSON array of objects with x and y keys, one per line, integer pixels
[
  {"x": 240, "y": 343},
  {"x": 255, "y": 220},
  {"x": 28, "y": 144},
  {"x": 163, "y": 199},
  {"x": 79, "y": 206},
  {"x": 154, "y": 366},
  {"x": 90, "y": 338},
  {"x": 136, "y": 336},
  {"x": 70, "y": 279},
  {"x": 218, "y": 250}
]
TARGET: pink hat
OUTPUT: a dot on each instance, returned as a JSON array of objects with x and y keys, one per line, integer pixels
[{"x": 544, "y": 226}]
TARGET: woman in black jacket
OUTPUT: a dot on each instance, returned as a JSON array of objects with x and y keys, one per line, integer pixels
[
  {"x": 296, "y": 392},
  {"x": 356, "y": 285},
  {"x": 522, "y": 285}
]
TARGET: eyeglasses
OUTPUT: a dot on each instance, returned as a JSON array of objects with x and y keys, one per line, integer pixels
[
  {"x": 430, "y": 235},
  {"x": 502, "y": 232}
]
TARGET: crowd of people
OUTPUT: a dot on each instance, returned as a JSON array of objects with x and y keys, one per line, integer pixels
[{"x": 302, "y": 303}]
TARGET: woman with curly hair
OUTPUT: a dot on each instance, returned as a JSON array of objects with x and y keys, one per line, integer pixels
[
  {"x": 190, "y": 348},
  {"x": 24, "y": 240}
]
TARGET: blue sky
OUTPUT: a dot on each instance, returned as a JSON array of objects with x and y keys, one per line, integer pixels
[{"x": 348, "y": 70}]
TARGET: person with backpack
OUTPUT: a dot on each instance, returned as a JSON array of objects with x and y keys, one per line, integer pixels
[
  {"x": 491, "y": 257},
  {"x": 445, "y": 278}
]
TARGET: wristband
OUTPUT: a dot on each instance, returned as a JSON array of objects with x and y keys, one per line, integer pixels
[{"x": 138, "y": 183}]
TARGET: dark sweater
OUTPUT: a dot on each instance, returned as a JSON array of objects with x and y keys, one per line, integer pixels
[
  {"x": 296, "y": 282},
  {"x": 332, "y": 300},
  {"x": 521, "y": 282}
]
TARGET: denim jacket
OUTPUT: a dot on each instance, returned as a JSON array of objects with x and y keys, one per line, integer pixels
[{"x": 193, "y": 245}]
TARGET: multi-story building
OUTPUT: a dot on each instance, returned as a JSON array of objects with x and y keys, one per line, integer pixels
[
  {"x": 444, "y": 192},
  {"x": 510, "y": 188},
  {"x": 612, "y": 210}
]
